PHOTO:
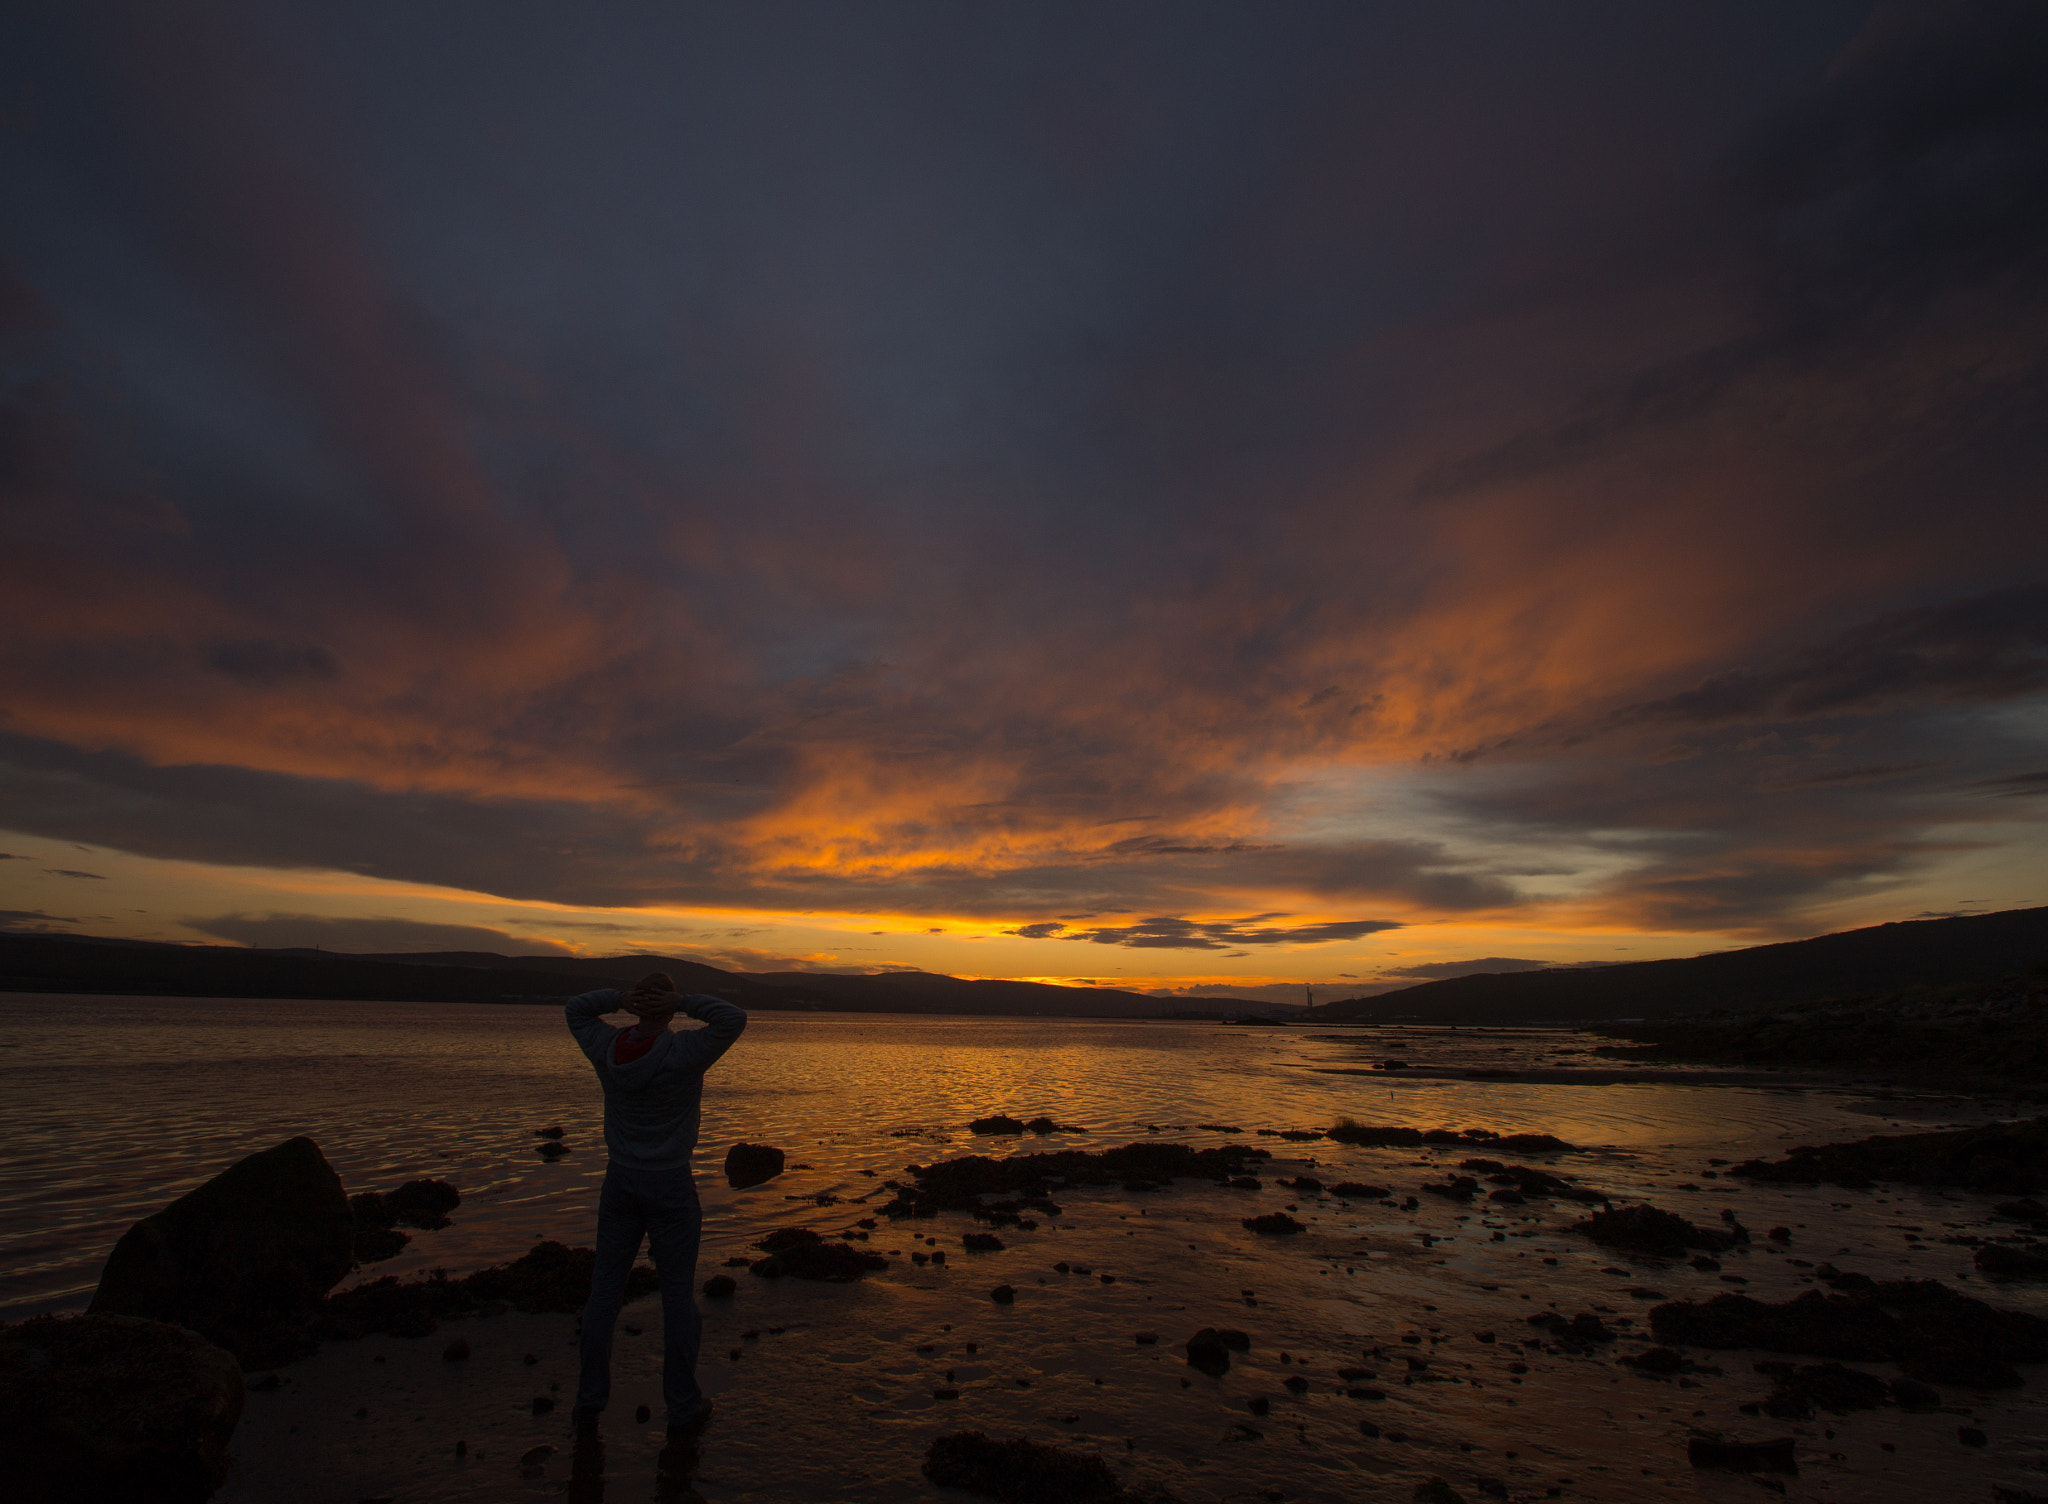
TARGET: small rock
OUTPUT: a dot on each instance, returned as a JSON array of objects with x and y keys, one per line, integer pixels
[
  {"x": 535, "y": 1456},
  {"x": 553, "y": 1130},
  {"x": 1003, "y": 1295},
  {"x": 455, "y": 1351},
  {"x": 542, "y": 1404},
  {"x": 1742, "y": 1456},
  {"x": 752, "y": 1164},
  {"x": 1970, "y": 1436},
  {"x": 1146, "y": 1339},
  {"x": 720, "y": 1286}
]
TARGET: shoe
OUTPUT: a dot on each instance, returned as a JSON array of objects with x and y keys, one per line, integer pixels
[
  {"x": 699, "y": 1418},
  {"x": 583, "y": 1420}
]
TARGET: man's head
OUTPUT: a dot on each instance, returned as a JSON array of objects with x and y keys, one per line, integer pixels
[{"x": 653, "y": 999}]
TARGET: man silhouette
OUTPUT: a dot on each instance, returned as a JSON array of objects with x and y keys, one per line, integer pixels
[{"x": 653, "y": 1080}]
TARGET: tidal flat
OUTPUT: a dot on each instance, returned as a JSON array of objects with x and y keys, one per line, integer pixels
[{"x": 1388, "y": 1343}]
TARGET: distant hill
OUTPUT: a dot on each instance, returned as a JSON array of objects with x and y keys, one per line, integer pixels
[
  {"x": 1879, "y": 960},
  {"x": 82, "y": 964}
]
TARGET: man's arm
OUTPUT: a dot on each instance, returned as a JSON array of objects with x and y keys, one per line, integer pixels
[
  {"x": 585, "y": 1015},
  {"x": 723, "y": 1023}
]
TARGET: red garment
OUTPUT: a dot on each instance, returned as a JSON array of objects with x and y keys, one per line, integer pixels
[{"x": 632, "y": 1044}]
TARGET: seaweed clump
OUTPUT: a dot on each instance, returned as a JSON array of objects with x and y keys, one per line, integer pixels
[
  {"x": 548, "y": 1277},
  {"x": 1027, "y": 1472},
  {"x": 1529, "y": 1181},
  {"x": 1933, "y": 1333},
  {"x": 801, "y": 1253},
  {"x": 959, "y": 1184}
]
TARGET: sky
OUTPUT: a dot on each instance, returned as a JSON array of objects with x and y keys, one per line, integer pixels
[{"x": 1197, "y": 497}]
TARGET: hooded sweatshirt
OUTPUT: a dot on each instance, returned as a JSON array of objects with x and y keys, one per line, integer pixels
[{"x": 651, "y": 1102}]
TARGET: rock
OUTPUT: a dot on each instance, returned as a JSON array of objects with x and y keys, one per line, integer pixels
[
  {"x": 720, "y": 1286},
  {"x": 2005, "y": 1157},
  {"x": 535, "y": 1456},
  {"x": 962, "y": 1184},
  {"x": 1646, "y": 1229},
  {"x": 1354, "y": 1190},
  {"x": 801, "y": 1254},
  {"x": 1208, "y": 1353},
  {"x": 1663, "y": 1363},
  {"x": 1970, "y": 1436},
  {"x": 543, "y": 1405},
  {"x": 1743, "y": 1456},
  {"x": 1274, "y": 1224},
  {"x": 1043, "y": 1125},
  {"x": 1244, "y": 1183},
  {"x": 1911, "y": 1394},
  {"x": 1580, "y": 1334},
  {"x": 1436, "y": 1491},
  {"x": 553, "y": 1130},
  {"x": 981, "y": 1242},
  {"x": 1345, "y": 1131},
  {"x": 2028, "y": 1210},
  {"x": 1145, "y": 1339},
  {"x": 244, "y": 1259},
  {"x": 1934, "y": 1333},
  {"x": 455, "y": 1351},
  {"x": 1003, "y": 1295},
  {"x": 1258, "y": 1404},
  {"x": 424, "y": 1204},
  {"x": 1025, "y": 1472},
  {"x": 114, "y": 1410},
  {"x": 752, "y": 1164},
  {"x": 1456, "y": 1188},
  {"x": 2008, "y": 1262},
  {"x": 1000, "y": 1123},
  {"x": 550, "y": 1150},
  {"x": 1393, "y": 1065},
  {"x": 1304, "y": 1185}
]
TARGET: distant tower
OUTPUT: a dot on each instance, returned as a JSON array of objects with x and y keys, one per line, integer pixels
[{"x": 1310, "y": 989}]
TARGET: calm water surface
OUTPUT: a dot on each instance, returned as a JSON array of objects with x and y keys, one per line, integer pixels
[{"x": 111, "y": 1107}]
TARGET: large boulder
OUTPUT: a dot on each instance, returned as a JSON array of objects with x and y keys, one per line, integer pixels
[
  {"x": 751, "y": 1164},
  {"x": 244, "y": 1260},
  {"x": 114, "y": 1409}
]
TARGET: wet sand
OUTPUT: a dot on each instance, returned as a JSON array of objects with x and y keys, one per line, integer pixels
[{"x": 841, "y": 1402}]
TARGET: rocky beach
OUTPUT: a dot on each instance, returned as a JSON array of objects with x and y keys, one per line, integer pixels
[{"x": 1649, "y": 1285}]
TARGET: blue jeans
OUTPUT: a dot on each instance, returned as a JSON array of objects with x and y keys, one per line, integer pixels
[{"x": 660, "y": 1206}]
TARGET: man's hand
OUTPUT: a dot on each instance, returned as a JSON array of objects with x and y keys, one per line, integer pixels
[{"x": 650, "y": 1003}]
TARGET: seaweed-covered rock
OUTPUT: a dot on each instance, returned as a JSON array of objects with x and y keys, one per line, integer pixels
[
  {"x": 961, "y": 1184},
  {"x": 752, "y": 1164},
  {"x": 2007, "y": 1158},
  {"x": 800, "y": 1253},
  {"x": 547, "y": 1277},
  {"x": 1454, "y": 1188},
  {"x": 1043, "y": 1125},
  {"x": 1000, "y": 1122},
  {"x": 721, "y": 1286},
  {"x": 1825, "y": 1386},
  {"x": 1581, "y": 1334},
  {"x": 244, "y": 1259},
  {"x": 981, "y": 1242},
  {"x": 1026, "y": 1472},
  {"x": 1646, "y": 1229},
  {"x": 114, "y": 1410},
  {"x": 1663, "y": 1363},
  {"x": 1529, "y": 1181},
  {"x": 1275, "y": 1225},
  {"x": 1389, "y": 1136},
  {"x": 1774, "y": 1456},
  {"x": 1935, "y": 1334}
]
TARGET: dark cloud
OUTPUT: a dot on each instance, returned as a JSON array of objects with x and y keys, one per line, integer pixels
[
  {"x": 960, "y": 463},
  {"x": 262, "y": 661},
  {"x": 2018, "y": 785},
  {"x": 72, "y": 872},
  {"x": 30, "y": 919},
  {"x": 1985, "y": 649},
  {"x": 366, "y": 936},
  {"x": 1185, "y": 934}
]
